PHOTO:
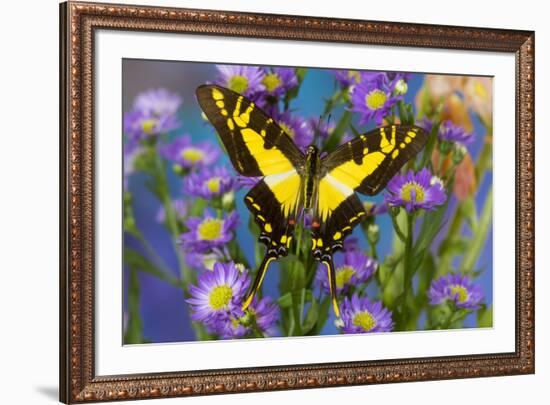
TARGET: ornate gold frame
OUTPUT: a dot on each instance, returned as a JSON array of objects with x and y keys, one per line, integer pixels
[{"x": 78, "y": 381}]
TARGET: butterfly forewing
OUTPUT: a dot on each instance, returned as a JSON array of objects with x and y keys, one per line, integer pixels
[
  {"x": 368, "y": 162},
  {"x": 257, "y": 146}
]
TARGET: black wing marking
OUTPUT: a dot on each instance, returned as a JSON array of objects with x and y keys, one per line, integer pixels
[
  {"x": 368, "y": 162},
  {"x": 257, "y": 146}
]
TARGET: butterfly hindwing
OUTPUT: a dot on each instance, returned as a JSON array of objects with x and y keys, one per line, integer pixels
[
  {"x": 369, "y": 161},
  {"x": 275, "y": 219},
  {"x": 329, "y": 232},
  {"x": 257, "y": 146}
]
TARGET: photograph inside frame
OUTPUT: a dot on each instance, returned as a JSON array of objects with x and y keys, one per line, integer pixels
[{"x": 271, "y": 201}]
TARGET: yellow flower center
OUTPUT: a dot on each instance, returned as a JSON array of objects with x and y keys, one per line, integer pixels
[
  {"x": 213, "y": 184},
  {"x": 460, "y": 292},
  {"x": 287, "y": 129},
  {"x": 365, "y": 320},
  {"x": 238, "y": 83},
  {"x": 344, "y": 275},
  {"x": 480, "y": 90},
  {"x": 407, "y": 191},
  {"x": 210, "y": 229},
  {"x": 375, "y": 99},
  {"x": 220, "y": 296},
  {"x": 192, "y": 155},
  {"x": 271, "y": 82},
  {"x": 148, "y": 126}
]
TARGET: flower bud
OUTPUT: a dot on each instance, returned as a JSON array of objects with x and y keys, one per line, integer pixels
[
  {"x": 373, "y": 234},
  {"x": 401, "y": 87},
  {"x": 459, "y": 151},
  {"x": 228, "y": 200}
]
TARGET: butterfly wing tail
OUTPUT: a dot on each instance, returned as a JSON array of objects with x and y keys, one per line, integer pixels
[
  {"x": 327, "y": 261},
  {"x": 258, "y": 280}
]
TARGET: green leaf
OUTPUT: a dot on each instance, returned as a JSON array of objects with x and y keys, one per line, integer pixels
[
  {"x": 431, "y": 225},
  {"x": 197, "y": 209},
  {"x": 311, "y": 317},
  {"x": 294, "y": 274},
  {"x": 426, "y": 160},
  {"x": 324, "y": 309},
  {"x": 453, "y": 247},
  {"x": 485, "y": 317},
  {"x": 285, "y": 300},
  {"x": 425, "y": 277},
  {"x": 480, "y": 235},
  {"x": 468, "y": 207}
]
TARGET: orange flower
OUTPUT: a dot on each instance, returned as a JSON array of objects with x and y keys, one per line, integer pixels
[
  {"x": 465, "y": 183},
  {"x": 465, "y": 178},
  {"x": 441, "y": 91},
  {"x": 455, "y": 111},
  {"x": 478, "y": 95}
]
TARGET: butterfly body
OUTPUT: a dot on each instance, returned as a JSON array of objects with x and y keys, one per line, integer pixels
[{"x": 293, "y": 182}]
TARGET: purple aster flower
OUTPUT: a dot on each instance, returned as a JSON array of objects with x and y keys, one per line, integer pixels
[
  {"x": 323, "y": 128},
  {"x": 158, "y": 102},
  {"x": 218, "y": 294},
  {"x": 140, "y": 125},
  {"x": 262, "y": 315},
  {"x": 347, "y": 78},
  {"x": 372, "y": 98},
  {"x": 132, "y": 149},
  {"x": 457, "y": 288},
  {"x": 186, "y": 154},
  {"x": 278, "y": 81},
  {"x": 245, "y": 80},
  {"x": 394, "y": 76},
  {"x": 180, "y": 207},
  {"x": 414, "y": 191},
  {"x": 426, "y": 124},
  {"x": 266, "y": 314},
  {"x": 297, "y": 128},
  {"x": 360, "y": 315},
  {"x": 376, "y": 209},
  {"x": 356, "y": 268},
  {"x": 206, "y": 261},
  {"x": 209, "y": 183},
  {"x": 454, "y": 133},
  {"x": 154, "y": 113},
  {"x": 208, "y": 232}
]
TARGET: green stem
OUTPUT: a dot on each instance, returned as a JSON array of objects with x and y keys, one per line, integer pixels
[
  {"x": 134, "y": 329},
  {"x": 398, "y": 230},
  {"x": 158, "y": 261},
  {"x": 407, "y": 270},
  {"x": 171, "y": 218},
  {"x": 479, "y": 237}
]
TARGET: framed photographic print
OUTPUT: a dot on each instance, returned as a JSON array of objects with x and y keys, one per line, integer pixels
[{"x": 260, "y": 202}]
